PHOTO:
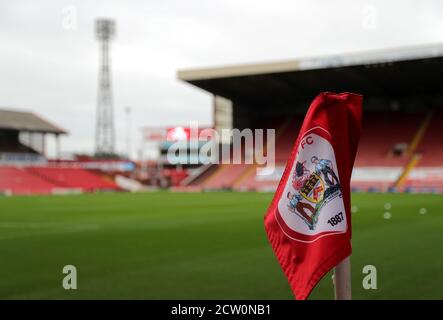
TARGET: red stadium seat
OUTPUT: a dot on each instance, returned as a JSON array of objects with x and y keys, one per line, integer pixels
[
  {"x": 225, "y": 176},
  {"x": 431, "y": 146},
  {"x": 384, "y": 134},
  {"x": 19, "y": 181},
  {"x": 380, "y": 133},
  {"x": 73, "y": 178}
]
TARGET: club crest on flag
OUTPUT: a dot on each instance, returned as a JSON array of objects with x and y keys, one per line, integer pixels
[
  {"x": 308, "y": 222},
  {"x": 313, "y": 204}
]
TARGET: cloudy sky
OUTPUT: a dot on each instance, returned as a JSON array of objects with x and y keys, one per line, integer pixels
[{"x": 49, "y": 56}]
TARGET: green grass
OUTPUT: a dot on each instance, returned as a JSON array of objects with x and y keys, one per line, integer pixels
[{"x": 202, "y": 246}]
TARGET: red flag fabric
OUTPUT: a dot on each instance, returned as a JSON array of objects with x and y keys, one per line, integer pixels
[{"x": 308, "y": 222}]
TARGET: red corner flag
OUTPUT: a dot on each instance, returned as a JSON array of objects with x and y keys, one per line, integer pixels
[{"x": 308, "y": 222}]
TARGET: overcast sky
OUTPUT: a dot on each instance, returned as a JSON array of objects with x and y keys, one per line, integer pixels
[{"x": 49, "y": 55}]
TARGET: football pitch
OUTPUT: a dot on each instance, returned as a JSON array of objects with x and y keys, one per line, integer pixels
[{"x": 165, "y": 245}]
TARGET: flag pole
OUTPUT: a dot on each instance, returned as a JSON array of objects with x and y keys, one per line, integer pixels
[{"x": 342, "y": 280}]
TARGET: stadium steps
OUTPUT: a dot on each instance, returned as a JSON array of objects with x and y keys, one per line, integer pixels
[
  {"x": 411, "y": 151},
  {"x": 218, "y": 171},
  {"x": 225, "y": 176},
  {"x": 199, "y": 177},
  {"x": 411, "y": 165},
  {"x": 247, "y": 179},
  {"x": 430, "y": 146},
  {"x": 418, "y": 137},
  {"x": 244, "y": 176}
]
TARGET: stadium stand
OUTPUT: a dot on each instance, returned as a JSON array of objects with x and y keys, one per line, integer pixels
[
  {"x": 225, "y": 176},
  {"x": 425, "y": 179},
  {"x": 384, "y": 157},
  {"x": 285, "y": 138},
  {"x": 24, "y": 168},
  {"x": 383, "y": 152},
  {"x": 14, "y": 180},
  {"x": 426, "y": 174},
  {"x": 431, "y": 146},
  {"x": 264, "y": 182},
  {"x": 284, "y": 141},
  {"x": 385, "y": 137},
  {"x": 243, "y": 176},
  {"x": 22, "y": 137},
  {"x": 73, "y": 178},
  {"x": 199, "y": 175},
  {"x": 400, "y": 147},
  {"x": 175, "y": 176}
]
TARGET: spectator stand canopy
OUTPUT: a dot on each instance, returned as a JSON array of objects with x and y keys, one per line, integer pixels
[
  {"x": 387, "y": 74},
  {"x": 403, "y": 101},
  {"x": 22, "y": 132}
]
